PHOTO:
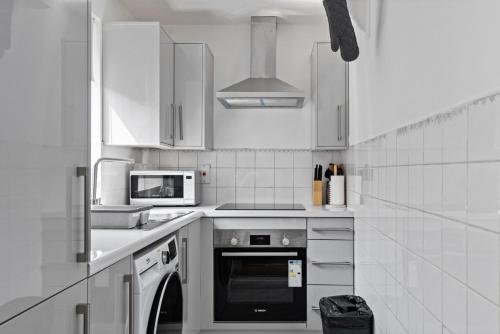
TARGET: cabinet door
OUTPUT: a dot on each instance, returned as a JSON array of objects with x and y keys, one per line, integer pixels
[
  {"x": 190, "y": 240},
  {"x": 43, "y": 139},
  {"x": 167, "y": 90},
  {"x": 56, "y": 315},
  {"x": 109, "y": 299},
  {"x": 331, "y": 106},
  {"x": 189, "y": 95}
]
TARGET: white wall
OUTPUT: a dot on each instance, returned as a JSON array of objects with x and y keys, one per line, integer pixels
[
  {"x": 422, "y": 57},
  {"x": 230, "y": 44}
]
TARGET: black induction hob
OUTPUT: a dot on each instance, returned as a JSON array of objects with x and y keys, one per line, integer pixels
[{"x": 260, "y": 206}]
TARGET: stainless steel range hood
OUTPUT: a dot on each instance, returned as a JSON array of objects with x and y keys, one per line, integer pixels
[{"x": 262, "y": 89}]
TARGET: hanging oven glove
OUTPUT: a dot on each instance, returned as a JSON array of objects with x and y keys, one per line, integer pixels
[{"x": 341, "y": 30}]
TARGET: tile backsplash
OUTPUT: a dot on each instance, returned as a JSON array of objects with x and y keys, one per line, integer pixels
[
  {"x": 264, "y": 176},
  {"x": 427, "y": 219}
]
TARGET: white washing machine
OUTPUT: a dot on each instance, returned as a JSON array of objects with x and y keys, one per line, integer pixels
[{"x": 158, "y": 289}]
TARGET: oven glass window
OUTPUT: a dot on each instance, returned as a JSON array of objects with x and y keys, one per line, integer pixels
[
  {"x": 256, "y": 288},
  {"x": 157, "y": 186}
]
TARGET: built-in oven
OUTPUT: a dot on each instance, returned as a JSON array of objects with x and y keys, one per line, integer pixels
[
  {"x": 164, "y": 187},
  {"x": 260, "y": 275}
]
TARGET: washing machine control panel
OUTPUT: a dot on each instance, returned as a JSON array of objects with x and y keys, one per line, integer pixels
[{"x": 159, "y": 255}]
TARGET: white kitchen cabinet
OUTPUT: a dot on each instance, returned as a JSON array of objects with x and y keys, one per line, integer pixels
[
  {"x": 194, "y": 94},
  {"x": 43, "y": 139},
  {"x": 189, "y": 241},
  {"x": 329, "y": 98},
  {"x": 138, "y": 74},
  {"x": 56, "y": 315},
  {"x": 109, "y": 296}
]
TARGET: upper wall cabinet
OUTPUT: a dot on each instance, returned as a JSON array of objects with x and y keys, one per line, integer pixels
[
  {"x": 194, "y": 96},
  {"x": 156, "y": 94},
  {"x": 138, "y": 70},
  {"x": 329, "y": 98}
]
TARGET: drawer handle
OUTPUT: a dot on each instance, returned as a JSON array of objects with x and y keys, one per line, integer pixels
[
  {"x": 332, "y": 229},
  {"x": 315, "y": 308},
  {"x": 331, "y": 263}
]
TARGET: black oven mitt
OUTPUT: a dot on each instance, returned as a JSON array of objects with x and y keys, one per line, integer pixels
[{"x": 341, "y": 30}]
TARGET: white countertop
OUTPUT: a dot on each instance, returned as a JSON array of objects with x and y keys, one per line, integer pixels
[{"x": 109, "y": 246}]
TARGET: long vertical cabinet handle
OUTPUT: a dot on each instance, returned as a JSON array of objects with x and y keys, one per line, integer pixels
[
  {"x": 84, "y": 257},
  {"x": 172, "y": 123},
  {"x": 181, "y": 125},
  {"x": 84, "y": 309},
  {"x": 185, "y": 260},
  {"x": 338, "y": 123},
  {"x": 128, "y": 280}
]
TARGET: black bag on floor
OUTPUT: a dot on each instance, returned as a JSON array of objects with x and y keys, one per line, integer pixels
[{"x": 346, "y": 315}]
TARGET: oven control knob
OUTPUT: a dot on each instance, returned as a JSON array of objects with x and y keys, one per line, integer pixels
[
  {"x": 285, "y": 241},
  {"x": 234, "y": 241},
  {"x": 165, "y": 257}
]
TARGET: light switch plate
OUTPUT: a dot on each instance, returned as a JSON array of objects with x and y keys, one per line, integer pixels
[{"x": 205, "y": 173}]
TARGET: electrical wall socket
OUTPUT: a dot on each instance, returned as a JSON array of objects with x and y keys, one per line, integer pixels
[{"x": 205, "y": 173}]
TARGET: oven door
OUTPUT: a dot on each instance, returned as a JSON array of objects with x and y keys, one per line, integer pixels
[{"x": 260, "y": 284}]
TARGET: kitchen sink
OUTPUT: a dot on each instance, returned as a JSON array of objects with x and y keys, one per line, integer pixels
[{"x": 160, "y": 219}]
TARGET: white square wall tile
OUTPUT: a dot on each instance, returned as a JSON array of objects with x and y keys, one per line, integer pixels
[
  {"x": 207, "y": 158},
  {"x": 433, "y": 246},
  {"x": 303, "y": 159},
  {"x": 283, "y": 195},
  {"x": 302, "y": 177},
  {"x": 483, "y": 262},
  {"x": 245, "y": 177},
  {"x": 226, "y": 195},
  {"x": 455, "y": 137},
  {"x": 433, "y": 141},
  {"x": 416, "y": 319},
  {"x": 402, "y": 192},
  {"x": 169, "y": 159},
  {"x": 416, "y": 187},
  {"x": 283, "y": 159},
  {"x": 264, "y": 159},
  {"x": 484, "y": 127},
  {"x": 264, "y": 195},
  {"x": 302, "y": 196},
  {"x": 226, "y": 159},
  {"x": 208, "y": 195},
  {"x": 416, "y": 145},
  {"x": 433, "y": 188},
  {"x": 245, "y": 195},
  {"x": 432, "y": 289},
  {"x": 188, "y": 159},
  {"x": 402, "y": 140},
  {"x": 245, "y": 159},
  {"x": 482, "y": 315},
  {"x": 454, "y": 305},
  {"x": 432, "y": 325},
  {"x": 323, "y": 158},
  {"x": 226, "y": 177},
  {"x": 283, "y": 178},
  {"x": 454, "y": 249},
  {"x": 455, "y": 191},
  {"x": 391, "y": 147},
  {"x": 264, "y": 177},
  {"x": 484, "y": 195}
]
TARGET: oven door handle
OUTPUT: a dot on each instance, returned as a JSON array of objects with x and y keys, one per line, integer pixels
[{"x": 259, "y": 254}]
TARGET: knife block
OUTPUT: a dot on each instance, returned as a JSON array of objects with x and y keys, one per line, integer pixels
[{"x": 317, "y": 193}]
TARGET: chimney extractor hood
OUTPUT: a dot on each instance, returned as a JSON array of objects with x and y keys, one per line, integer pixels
[{"x": 262, "y": 89}]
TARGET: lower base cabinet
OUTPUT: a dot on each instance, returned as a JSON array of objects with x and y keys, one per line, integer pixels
[
  {"x": 314, "y": 294},
  {"x": 56, "y": 315},
  {"x": 109, "y": 293},
  {"x": 189, "y": 267}
]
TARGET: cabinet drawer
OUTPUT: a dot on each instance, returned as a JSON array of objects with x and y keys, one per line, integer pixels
[
  {"x": 330, "y": 228},
  {"x": 330, "y": 262},
  {"x": 314, "y": 294}
]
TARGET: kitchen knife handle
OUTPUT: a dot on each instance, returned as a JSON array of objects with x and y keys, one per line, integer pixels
[{"x": 84, "y": 256}]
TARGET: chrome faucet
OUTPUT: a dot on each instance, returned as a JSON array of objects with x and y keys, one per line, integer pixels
[{"x": 95, "y": 200}]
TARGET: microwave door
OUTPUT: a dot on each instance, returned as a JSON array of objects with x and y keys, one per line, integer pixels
[{"x": 157, "y": 187}]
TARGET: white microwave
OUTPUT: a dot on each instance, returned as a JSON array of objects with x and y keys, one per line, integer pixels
[{"x": 165, "y": 187}]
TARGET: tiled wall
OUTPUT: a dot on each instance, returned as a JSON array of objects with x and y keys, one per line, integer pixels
[
  {"x": 264, "y": 176},
  {"x": 427, "y": 222}
]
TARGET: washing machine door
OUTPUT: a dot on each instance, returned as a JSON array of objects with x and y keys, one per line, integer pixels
[{"x": 166, "y": 312}]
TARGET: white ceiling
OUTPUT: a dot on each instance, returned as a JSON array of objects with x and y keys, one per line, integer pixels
[{"x": 226, "y": 11}]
